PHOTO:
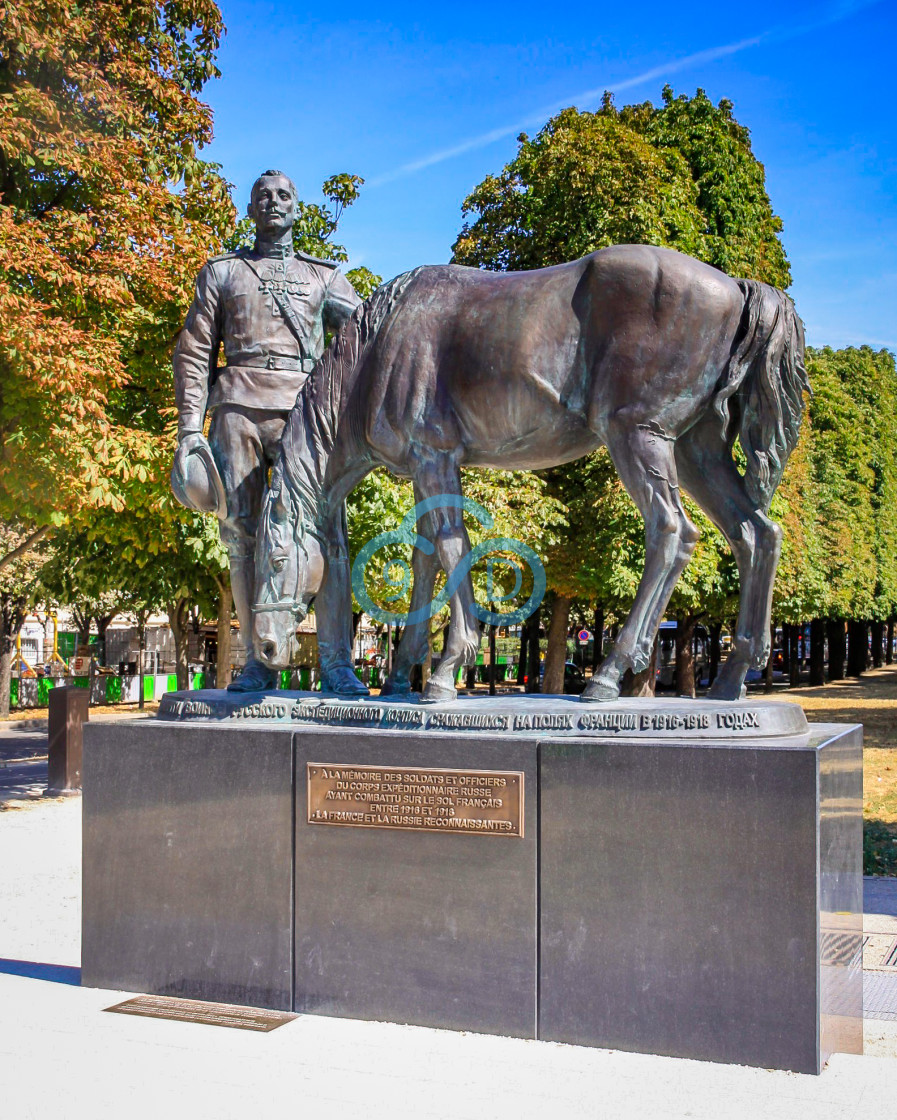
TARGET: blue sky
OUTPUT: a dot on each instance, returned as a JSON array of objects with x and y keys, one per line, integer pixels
[{"x": 425, "y": 101}]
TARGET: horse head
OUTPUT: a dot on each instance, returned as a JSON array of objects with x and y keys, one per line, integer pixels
[{"x": 289, "y": 569}]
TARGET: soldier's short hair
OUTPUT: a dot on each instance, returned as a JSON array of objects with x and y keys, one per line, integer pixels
[{"x": 266, "y": 175}]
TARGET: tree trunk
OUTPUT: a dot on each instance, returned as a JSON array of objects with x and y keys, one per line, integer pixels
[
  {"x": 225, "y": 607},
  {"x": 794, "y": 657},
  {"x": 685, "y": 660},
  {"x": 643, "y": 683},
  {"x": 522, "y": 654},
  {"x": 837, "y": 648},
  {"x": 141, "y": 655},
  {"x": 889, "y": 644},
  {"x": 11, "y": 619},
  {"x": 817, "y": 652},
  {"x": 556, "y": 654},
  {"x": 82, "y": 624},
  {"x": 598, "y": 643},
  {"x": 427, "y": 667},
  {"x": 7, "y": 645},
  {"x": 533, "y": 662},
  {"x": 493, "y": 654},
  {"x": 767, "y": 672},
  {"x": 103, "y": 622},
  {"x": 878, "y": 637},
  {"x": 178, "y": 617},
  {"x": 714, "y": 631},
  {"x": 857, "y": 647}
]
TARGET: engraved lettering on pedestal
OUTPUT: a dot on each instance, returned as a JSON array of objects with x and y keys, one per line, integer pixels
[
  {"x": 489, "y": 803},
  {"x": 737, "y": 721},
  {"x": 469, "y": 721},
  {"x": 673, "y": 721}
]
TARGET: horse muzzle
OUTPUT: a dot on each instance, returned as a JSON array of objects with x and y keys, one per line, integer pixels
[{"x": 274, "y": 638}]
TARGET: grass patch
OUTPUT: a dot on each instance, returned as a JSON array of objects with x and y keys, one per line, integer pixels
[{"x": 871, "y": 701}]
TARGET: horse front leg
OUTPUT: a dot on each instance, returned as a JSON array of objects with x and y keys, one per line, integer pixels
[
  {"x": 333, "y": 613},
  {"x": 646, "y": 465},
  {"x": 444, "y": 526},
  {"x": 414, "y": 646}
]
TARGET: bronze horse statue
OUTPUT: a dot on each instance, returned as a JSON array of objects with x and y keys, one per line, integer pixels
[{"x": 661, "y": 358}]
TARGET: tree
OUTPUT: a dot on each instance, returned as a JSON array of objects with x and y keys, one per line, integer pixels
[
  {"x": 18, "y": 590},
  {"x": 851, "y": 493},
  {"x": 518, "y": 503},
  {"x": 740, "y": 232},
  {"x": 684, "y": 176},
  {"x": 106, "y": 214}
]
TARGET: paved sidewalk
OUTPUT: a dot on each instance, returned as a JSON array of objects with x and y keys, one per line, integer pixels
[{"x": 63, "y": 1058}]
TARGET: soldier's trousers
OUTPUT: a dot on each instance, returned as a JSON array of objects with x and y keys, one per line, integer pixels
[{"x": 245, "y": 443}]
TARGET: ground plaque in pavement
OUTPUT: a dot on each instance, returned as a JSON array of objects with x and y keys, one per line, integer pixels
[{"x": 209, "y": 1014}]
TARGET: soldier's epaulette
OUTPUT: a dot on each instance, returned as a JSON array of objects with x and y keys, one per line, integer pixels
[
  {"x": 316, "y": 260},
  {"x": 226, "y": 256}
]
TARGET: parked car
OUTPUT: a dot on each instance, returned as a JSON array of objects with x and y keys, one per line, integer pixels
[{"x": 574, "y": 678}]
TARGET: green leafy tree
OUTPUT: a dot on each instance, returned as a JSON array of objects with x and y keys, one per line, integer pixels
[
  {"x": 854, "y": 474},
  {"x": 740, "y": 232},
  {"x": 681, "y": 175}
]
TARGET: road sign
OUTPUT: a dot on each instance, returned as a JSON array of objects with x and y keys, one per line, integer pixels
[{"x": 585, "y": 636}]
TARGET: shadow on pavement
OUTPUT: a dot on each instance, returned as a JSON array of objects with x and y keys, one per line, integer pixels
[
  {"x": 33, "y": 970},
  {"x": 23, "y": 780}
]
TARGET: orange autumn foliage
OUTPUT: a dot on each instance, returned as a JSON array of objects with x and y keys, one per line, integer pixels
[{"x": 107, "y": 212}]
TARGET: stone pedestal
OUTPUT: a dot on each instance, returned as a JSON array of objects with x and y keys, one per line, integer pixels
[
  {"x": 188, "y": 855},
  {"x": 717, "y": 897},
  {"x": 699, "y": 898}
]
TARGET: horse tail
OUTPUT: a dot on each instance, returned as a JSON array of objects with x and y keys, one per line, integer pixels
[{"x": 767, "y": 378}]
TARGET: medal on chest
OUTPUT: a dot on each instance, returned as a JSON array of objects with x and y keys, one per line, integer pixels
[{"x": 274, "y": 278}]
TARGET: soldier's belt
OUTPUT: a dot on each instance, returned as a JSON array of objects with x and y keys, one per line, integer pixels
[{"x": 271, "y": 361}]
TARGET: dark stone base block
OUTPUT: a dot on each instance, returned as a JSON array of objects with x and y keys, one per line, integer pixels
[
  {"x": 700, "y": 900},
  {"x": 187, "y": 867},
  {"x": 414, "y": 927},
  {"x": 704, "y": 902}
]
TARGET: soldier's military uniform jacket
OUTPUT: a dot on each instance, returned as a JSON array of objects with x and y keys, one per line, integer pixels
[{"x": 235, "y": 306}]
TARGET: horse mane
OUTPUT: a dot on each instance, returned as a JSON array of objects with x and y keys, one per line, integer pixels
[{"x": 311, "y": 430}]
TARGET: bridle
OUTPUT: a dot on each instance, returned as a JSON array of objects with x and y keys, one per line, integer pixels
[{"x": 297, "y": 606}]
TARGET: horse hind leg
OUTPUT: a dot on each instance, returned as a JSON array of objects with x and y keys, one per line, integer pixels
[
  {"x": 645, "y": 461},
  {"x": 709, "y": 474}
]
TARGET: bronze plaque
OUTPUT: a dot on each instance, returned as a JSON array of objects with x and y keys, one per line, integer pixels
[
  {"x": 480, "y": 802},
  {"x": 198, "y": 1011}
]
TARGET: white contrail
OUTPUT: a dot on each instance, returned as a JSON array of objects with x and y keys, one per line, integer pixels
[
  {"x": 840, "y": 10},
  {"x": 539, "y": 117}
]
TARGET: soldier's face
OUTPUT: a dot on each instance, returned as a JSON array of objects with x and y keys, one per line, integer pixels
[{"x": 272, "y": 207}]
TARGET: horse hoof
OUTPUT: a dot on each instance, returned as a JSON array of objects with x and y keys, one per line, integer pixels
[
  {"x": 436, "y": 693},
  {"x": 391, "y": 688},
  {"x": 727, "y": 692},
  {"x": 599, "y": 692}
]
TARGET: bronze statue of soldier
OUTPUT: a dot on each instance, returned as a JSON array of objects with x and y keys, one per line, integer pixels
[{"x": 269, "y": 307}]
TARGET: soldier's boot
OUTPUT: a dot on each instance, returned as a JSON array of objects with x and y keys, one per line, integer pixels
[{"x": 254, "y": 677}]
